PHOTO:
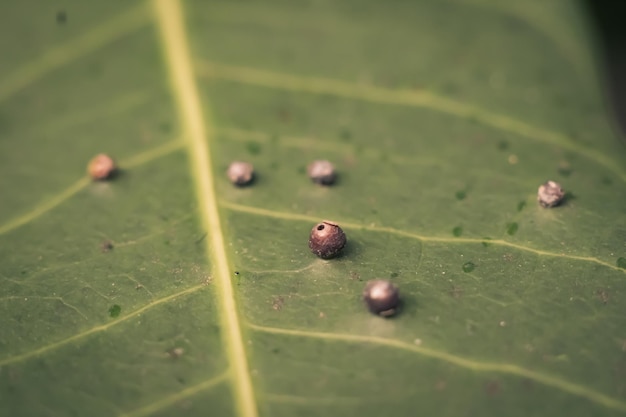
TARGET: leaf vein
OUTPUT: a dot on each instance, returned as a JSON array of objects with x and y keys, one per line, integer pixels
[
  {"x": 425, "y": 99},
  {"x": 383, "y": 229},
  {"x": 56, "y": 57},
  {"x": 505, "y": 368},
  {"x": 171, "y": 25},
  {"x": 99, "y": 328},
  {"x": 80, "y": 184}
]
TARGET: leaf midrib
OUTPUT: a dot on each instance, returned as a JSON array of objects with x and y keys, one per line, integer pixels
[{"x": 198, "y": 132}]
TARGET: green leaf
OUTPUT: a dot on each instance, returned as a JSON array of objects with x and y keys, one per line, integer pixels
[{"x": 167, "y": 291}]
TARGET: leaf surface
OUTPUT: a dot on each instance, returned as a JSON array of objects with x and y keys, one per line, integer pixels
[{"x": 168, "y": 291}]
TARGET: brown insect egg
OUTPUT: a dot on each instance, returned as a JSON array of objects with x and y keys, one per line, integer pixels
[
  {"x": 322, "y": 172},
  {"x": 102, "y": 167},
  {"x": 382, "y": 297},
  {"x": 327, "y": 239},
  {"x": 550, "y": 194},
  {"x": 240, "y": 173}
]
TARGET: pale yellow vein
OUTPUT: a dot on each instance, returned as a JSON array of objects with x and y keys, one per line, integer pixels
[
  {"x": 317, "y": 401},
  {"x": 97, "y": 329},
  {"x": 179, "y": 396},
  {"x": 56, "y": 57},
  {"x": 383, "y": 229},
  {"x": 171, "y": 26},
  {"x": 80, "y": 184},
  {"x": 504, "y": 368},
  {"x": 426, "y": 99}
]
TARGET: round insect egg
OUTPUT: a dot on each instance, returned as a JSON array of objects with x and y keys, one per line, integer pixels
[
  {"x": 240, "y": 173},
  {"x": 382, "y": 297},
  {"x": 327, "y": 239},
  {"x": 550, "y": 194},
  {"x": 322, "y": 172},
  {"x": 102, "y": 167}
]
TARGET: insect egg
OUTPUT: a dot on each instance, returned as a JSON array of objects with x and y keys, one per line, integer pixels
[
  {"x": 381, "y": 297},
  {"x": 240, "y": 173},
  {"x": 322, "y": 172},
  {"x": 550, "y": 194},
  {"x": 102, "y": 167},
  {"x": 327, "y": 239}
]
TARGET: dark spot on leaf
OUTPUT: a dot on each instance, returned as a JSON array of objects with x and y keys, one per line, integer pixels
[
  {"x": 302, "y": 169},
  {"x": 521, "y": 205},
  {"x": 345, "y": 134},
  {"x": 469, "y": 266},
  {"x": 503, "y": 145},
  {"x": 492, "y": 387},
  {"x": 606, "y": 181},
  {"x": 284, "y": 115},
  {"x": 393, "y": 275},
  {"x": 236, "y": 272},
  {"x": 565, "y": 171},
  {"x": 61, "y": 17},
  {"x": 201, "y": 238},
  {"x": 374, "y": 211},
  {"x": 276, "y": 351},
  {"x": 180, "y": 380},
  {"x": 115, "y": 310},
  {"x": 485, "y": 243},
  {"x": 253, "y": 147},
  {"x": 355, "y": 276},
  {"x": 528, "y": 384},
  {"x": 460, "y": 195},
  {"x": 511, "y": 228},
  {"x": 621, "y": 262},
  {"x": 106, "y": 246},
  {"x": 165, "y": 127},
  {"x": 457, "y": 231}
]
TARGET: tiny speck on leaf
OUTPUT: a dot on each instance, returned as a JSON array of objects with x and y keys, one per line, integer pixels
[
  {"x": 254, "y": 148},
  {"x": 503, "y": 145},
  {"x": 175, "y": 353},
  {"x": 521, "y": 205},
  {"x": 469, "y": 266},
  {"x": 394, "y": 274},
  {"x": 457, "y": 231},
  {"x": 565, "y": 171},
  {"x": 106, "y": 246},
  {"x": 345, "y": 134},
  {"x": 61, "y": 17},
  {"x": 621, "y": 262},
  {"x": 115, "y": 310},
  {"x": 511, "y": 228},
  {"x": 460, "y": 195}
]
